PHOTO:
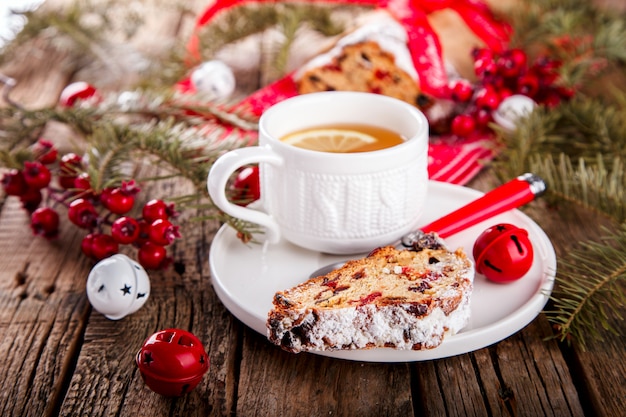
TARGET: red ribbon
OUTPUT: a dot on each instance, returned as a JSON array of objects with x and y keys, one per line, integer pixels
[{"x": 423, "y": 42}]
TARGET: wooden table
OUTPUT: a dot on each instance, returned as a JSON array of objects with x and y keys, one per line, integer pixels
[{"x": 58, "y": 356}]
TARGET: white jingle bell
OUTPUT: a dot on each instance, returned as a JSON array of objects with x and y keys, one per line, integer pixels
[
  {"x": 512, "y": 109},
  {"x": 214, "y": 79},
  {"x": 117, "y": 286}
]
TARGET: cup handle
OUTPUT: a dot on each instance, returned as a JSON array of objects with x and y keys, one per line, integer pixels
[{"x": 221, "y": 171}]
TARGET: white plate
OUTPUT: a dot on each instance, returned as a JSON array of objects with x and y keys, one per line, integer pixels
[{"x": 245, "y": 278}]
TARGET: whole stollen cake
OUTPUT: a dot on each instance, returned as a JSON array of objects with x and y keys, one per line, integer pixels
[
  {"x": 364, "y": 67},
  {"x": 372, "y": 58},
  {"x": 401, "y": 299}
]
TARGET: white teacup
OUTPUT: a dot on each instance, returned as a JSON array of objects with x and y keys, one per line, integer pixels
[{"x": 337, "y": 203}]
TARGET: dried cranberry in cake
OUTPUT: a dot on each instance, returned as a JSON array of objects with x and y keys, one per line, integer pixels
[{"x": 396, "y": 299}]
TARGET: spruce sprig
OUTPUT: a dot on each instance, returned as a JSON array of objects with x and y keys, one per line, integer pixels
[
  {"x": 578, "y": 147},
  {"x": 591, "y": 288},
  {"x": 593, "y": 186}
]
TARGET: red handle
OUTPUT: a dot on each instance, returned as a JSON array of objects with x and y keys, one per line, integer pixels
[{"x": 512, "y": 194}]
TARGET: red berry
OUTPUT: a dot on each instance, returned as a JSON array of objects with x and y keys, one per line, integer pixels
[
  {"x": 119, "y": 202},
  {"x": 104, "y": 195},
  {"x": 487, "y": 98},
  {"x": 36, "y": 175},
  {"x": 45, "y": 152},
  {"x": 45, "y": 222},
  {"x": 247, "y": 185},
  {"x": 79, "y": 90},
  {"x": 482, "y": 117},
  {"x": 463, "y": 125},
  {"x": 512, "y": 62},
  {"x": 157, "y": 209},
  {"x": 82, "y": 213},
  {"x": 103, "y": 246},
  {"x": 125, "y": 230},
  {"x": 485, "y": 67},
  {"x": 144, "y": 233},
  {"x": 86, "y": 245},
  {"x": 461, "y": 90},
  {"x": 151, "y": 256},
  {"x": 528, "y": 85},
  {"x": 482, "y": 53},
  {"x": 70, "y": 166},
  {"x": 13, "y": 183},
  {"x": 31, "y": 199},
  {"x": 504, "y": 93},
  {"x": 162, "y": 232},
  {"x": 546, "y": 66},
  {"x": 82, "y": 185}
]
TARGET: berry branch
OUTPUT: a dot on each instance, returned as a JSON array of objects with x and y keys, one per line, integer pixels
[{"x": 99, "y": 189}]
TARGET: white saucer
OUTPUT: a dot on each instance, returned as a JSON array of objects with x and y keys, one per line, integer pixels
[{"x": 245, "y": 278}]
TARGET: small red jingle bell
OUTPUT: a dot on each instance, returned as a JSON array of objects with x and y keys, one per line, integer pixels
[
  {"x": 172, "y": 362},
  {"x": 503, "y": 253}
]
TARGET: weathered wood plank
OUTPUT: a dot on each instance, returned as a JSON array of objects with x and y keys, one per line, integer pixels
[
  {"x": 532, "y": 376},
  {"x": 274, "y": 382},
  {"x": 449, "y": 387},
  {"x": 519, "y": 376},
  {"x": 43, "y": 310},
  {"x": 602, "y": 372}
]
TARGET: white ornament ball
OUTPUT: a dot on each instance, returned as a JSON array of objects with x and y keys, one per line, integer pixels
[
  {"x": 117, "y": 286},
  {"x": 129, "y": 100},
  {"x": 214, "y": 79},
  {"x": 511, "y": 109}
]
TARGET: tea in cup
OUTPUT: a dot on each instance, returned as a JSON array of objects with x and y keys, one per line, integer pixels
[{"x": 340, "y": 172}]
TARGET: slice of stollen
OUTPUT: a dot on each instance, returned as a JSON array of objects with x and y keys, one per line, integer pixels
[{"x": 392, "y": 298}]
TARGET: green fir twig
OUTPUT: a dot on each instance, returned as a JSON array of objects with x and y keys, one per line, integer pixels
[{"x": 591, "y": 289}]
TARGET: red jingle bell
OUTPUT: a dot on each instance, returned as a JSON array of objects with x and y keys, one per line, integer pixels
[
  {"x": 503, "y": 253},
  {"x": 172, "y": 362}
]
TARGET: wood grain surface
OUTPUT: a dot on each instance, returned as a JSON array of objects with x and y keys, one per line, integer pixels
[{"x": 59, "y": 357}]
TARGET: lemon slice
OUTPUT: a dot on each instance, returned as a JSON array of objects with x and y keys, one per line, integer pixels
[{"x": 330, "y": 140}]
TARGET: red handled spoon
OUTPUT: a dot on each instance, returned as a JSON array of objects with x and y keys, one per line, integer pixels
[{"x": 513, "y": 194}]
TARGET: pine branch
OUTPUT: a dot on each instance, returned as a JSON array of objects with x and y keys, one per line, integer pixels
[
  {"x": 591, "y": 289},
  {"x": 592, "y": 186},
  {"x": 583, "y": 129}
]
